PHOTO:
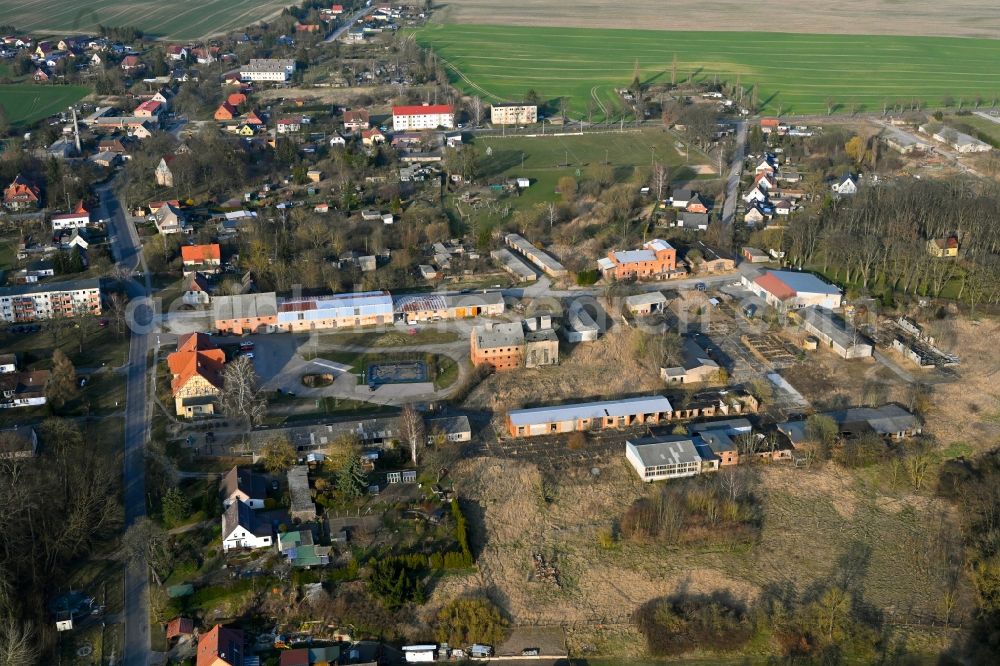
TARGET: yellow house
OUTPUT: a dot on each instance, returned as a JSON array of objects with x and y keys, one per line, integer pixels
[
  {"x": 196, "y": 369},
  {"x": 245, "y": 130},
  {"x": 943, "y": 248}
]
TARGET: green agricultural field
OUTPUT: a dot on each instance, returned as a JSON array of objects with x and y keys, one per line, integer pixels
[
  {"x": 546, "y": 159},
  {"x": 27, "y": 102},
  {"x": 796, "y": 73},
  {"x": 181, "y": 19}
]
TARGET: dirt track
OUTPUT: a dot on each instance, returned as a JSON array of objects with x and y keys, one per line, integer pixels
[{"x": 887, "y": 17}]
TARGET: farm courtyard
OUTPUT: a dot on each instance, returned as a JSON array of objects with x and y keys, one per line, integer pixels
[{"x": 796, "y": 73}]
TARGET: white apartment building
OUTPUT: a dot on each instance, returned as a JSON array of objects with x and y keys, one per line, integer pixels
[
  {"x": 428, "y": 116},
  {"x": 48, "y": 300},
  {"x": 513, "y": 114},
  {"x": 268, "y": 69}
]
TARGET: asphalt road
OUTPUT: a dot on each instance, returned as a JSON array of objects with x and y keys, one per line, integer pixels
[
  {"x": 735, "y": 170},
  {"x": 347, "y": 24},
  {"x": 128, "y": 254}
]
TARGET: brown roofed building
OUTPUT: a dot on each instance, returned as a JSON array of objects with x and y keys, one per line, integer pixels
[
  {"x": 221, "y": 646},
  {"x": 23, "y": 389},
  {"x": 240, "y": 484},
  {"x": 196, "y": 370},
  {"x": 178, "y": 627},
  {"x": 19, "y": 442},
  {"x": 356, "y": 120}
]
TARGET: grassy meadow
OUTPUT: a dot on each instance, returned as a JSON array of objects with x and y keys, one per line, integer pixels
[
  {"x": 796, "y": 73},
  {"x": 27, "y": 102},
  {"x": 546, "y": 159}
]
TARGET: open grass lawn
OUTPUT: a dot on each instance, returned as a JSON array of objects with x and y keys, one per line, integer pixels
[
  {"x": 26, "y": 103},
  {"x": 182, "y": 19},
  {"x": 101, "y": 347},
  {"x": 795, "y": 72},
  {"x": 546, "y": 159}
]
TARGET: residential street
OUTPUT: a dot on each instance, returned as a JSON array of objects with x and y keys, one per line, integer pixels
[
  {"x": 733, "y": 182},
  {"x": 127, "y": 251},
  {"x": 347, "y": 25}
]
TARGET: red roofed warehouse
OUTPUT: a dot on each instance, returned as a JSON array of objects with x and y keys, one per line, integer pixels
[
  {"x": 405, "y": 118},
  {"x": 788, "y": 290}
]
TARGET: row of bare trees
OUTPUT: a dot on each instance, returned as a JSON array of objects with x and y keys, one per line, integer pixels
[
  {"x": 883, "y": 232},
  {"x": 56, "y": 510}
]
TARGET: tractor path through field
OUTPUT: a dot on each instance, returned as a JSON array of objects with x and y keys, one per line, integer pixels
[
  {"x": 472, "y": 84},
  {"x": 597, "y": 99}
]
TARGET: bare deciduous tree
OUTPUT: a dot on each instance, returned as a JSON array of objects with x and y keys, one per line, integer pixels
[
  {"x": 17, "y": 647},
  {"x": 145, "y": 541},
  {"x": 241, "y": 397},
  {"x": 411, "y": 429},
  {"x": 661, "y": 178}
]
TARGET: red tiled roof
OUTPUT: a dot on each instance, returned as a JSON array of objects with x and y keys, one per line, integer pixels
[
  {"x": 236, "y": 99},
  {"x": 225, "y": 110},
  {"x": 297, "y": 657},
  {"x": 420, "y": 110},
  {"x": 21, "y": 189},
  {"x": 769, "y": 122},
  {"x": 220, "y": 645},
  {"x": 296, "y": 306},
  {"x": 157, "y": 205},
  {"x": 196, "y": 355},
  {"x": 773, "y": 284},
  {"x": 148, "y": 105},
  {"x": 199, "y": 254},
  {"x": 179, "y": 626}
]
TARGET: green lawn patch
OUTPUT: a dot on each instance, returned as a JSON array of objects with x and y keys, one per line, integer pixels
[
  {"x": 797, "y": 72},
  {"x": 546, "y": 159},
  {"x": 447, "y": 373},
  {"x": 27, "y": 103}
]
